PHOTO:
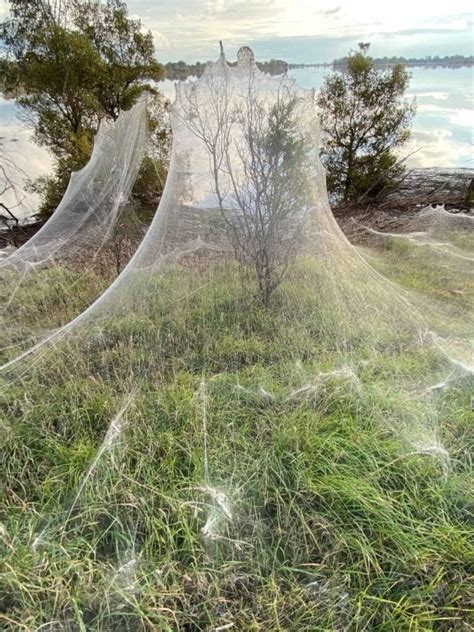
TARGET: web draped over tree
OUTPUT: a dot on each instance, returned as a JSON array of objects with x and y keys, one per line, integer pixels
[
  {"x": 84, "y": 229},
  {"x": 245, "y": 294}
]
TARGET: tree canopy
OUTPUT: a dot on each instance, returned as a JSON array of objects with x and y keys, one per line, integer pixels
[
  {"x": 364, "y": 119},
  {"x": 71, "y": 64}
]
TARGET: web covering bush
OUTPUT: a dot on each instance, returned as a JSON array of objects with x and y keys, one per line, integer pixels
[
  {"x": 59, "y": 264},
  {"x": 201, "y": 415}
]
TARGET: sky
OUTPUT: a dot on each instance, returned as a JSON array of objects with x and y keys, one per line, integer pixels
[
  {"x": 304, "y": 30},
  {"x": 301, "y": 31}
]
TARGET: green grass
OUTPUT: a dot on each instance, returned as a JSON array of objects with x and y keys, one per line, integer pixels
[
  {"x": 445, "y": 277},
  {"x": 40, "y": 302},
  {"x": 336, "y": 522}
]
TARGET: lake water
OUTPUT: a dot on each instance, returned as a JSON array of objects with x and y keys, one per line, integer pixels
[{"x": 443, "y": 128}]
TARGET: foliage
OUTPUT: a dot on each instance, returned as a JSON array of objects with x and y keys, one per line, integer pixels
[
  {"x": 128, "y": 54},
  {"x": 72, "y": 68},
  {"x": 150, "y": 182},
  {"x": 148, "y": 186},
  {"x": 51, "y": 188},
  {"x": 365, "y": 121}
]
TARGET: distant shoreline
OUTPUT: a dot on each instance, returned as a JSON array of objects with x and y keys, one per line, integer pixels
[
  {"x": 181, "y": 70},
  {"x": 388, "y": 64}
]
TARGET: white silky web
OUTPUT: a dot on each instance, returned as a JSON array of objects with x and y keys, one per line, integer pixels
[
  {"x": 432, "y": 258},
  {"x": 237, "y": 208},
  {"x": 246, "y": 294},
  {"x": 78, "y": 230},
  {"x": 94, "y": 197}
]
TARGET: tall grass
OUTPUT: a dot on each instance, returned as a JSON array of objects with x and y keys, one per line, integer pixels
[{"x": 245, "y": 480}]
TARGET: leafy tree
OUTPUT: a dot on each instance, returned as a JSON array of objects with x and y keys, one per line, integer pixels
[
  {"x": 127, "y": 53},
  {"x": 364, "y": 119},
  {"x": 73, "y": 63}
]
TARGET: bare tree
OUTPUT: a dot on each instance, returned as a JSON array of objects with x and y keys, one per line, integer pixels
[
  {"x": 270, "y": 189},
  {"x": 259, "y": 162},
  {"x": 11, "y": 190}
]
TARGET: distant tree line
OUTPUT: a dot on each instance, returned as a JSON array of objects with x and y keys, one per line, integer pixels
[
  {"x": 448, "y": 61},
  {"x": 274, "y": 66},
  {"x": 180, "y": 70}
]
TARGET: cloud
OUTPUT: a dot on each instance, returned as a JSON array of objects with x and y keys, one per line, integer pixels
[
  {"x": 423, "y": 30},
  {"x": 246, "y": 9},
  {"x": 457, "y": 117},
  {"x": 462, "y": 118},
  {"x": 191, "y": 29},
  {"x": 4, "y": 10},
  {"x": 438, "y": 148},
  {"x": 438, "y": 96},
  {"x": 161, "y": 41}
]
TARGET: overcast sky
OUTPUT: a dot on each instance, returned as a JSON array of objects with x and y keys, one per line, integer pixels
[{"x": 304, "y": 30}]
